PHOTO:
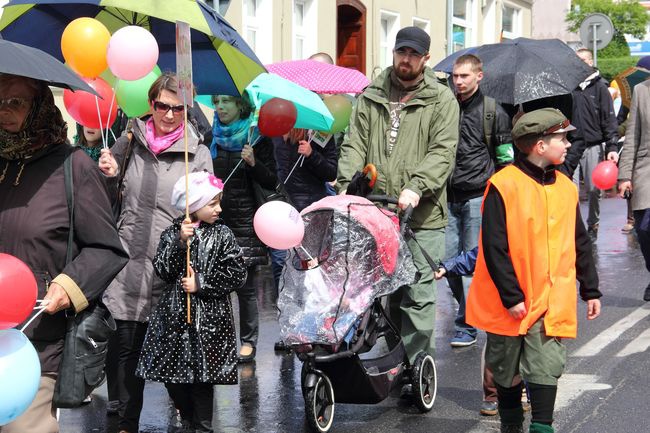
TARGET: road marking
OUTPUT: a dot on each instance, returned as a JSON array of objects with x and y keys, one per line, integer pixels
[
  {"x": 571, "y": 386},
  {"x": 638, "y": 345},
  {"x": 598, "y": 343}
]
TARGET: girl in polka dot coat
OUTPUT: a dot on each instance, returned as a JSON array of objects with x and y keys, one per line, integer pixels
[{"x": 190, "y": 357}]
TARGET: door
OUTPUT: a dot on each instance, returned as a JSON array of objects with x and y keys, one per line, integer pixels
[{"x": 351, "y": 35}]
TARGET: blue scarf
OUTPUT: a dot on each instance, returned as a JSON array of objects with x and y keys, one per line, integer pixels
[{"x": 231, "y": 138}]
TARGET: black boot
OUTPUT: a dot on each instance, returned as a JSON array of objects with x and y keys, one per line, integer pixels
[
  {"x": 646, "y": 294},
  {"x": 512, "y": 420}
]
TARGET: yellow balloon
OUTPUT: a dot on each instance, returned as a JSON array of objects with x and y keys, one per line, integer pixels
[{"x": 84, "y": 43}]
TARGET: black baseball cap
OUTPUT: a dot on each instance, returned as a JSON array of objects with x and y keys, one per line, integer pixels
[{"x": 413, "y": 37}]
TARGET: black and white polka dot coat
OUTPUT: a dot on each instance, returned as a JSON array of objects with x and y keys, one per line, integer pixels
[{"x": 204, "y": 350}]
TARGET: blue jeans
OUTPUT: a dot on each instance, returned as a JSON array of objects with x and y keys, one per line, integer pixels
[
  {"x": 591, "y": 157},
  {"x": 642, "y": 227},
  {"x": 462, "y": 235},
  {"x": 277, "y": 264}
]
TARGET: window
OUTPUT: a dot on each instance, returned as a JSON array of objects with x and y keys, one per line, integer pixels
[
  {"x": 462, "y": 25},
  {"x": 257, "y": 28},
  {"x": 389, "y": 26},
  {"x": 304, "y": 29},
  {"x": 510, "y": 27},
  {"x": 220, "y": 6}
]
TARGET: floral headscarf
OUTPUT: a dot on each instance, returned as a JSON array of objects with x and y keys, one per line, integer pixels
[{"x": 44, "y": 126}]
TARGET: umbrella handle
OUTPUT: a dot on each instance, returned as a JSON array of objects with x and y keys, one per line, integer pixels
[{"x": 370, "y": 168}]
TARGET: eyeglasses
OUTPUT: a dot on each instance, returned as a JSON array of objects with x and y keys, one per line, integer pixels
[
  {"x": 161, "y": 107},
  {"x": 411, "y": 54},
  {"x": 13, "y": 104},
  {"x": 553, "y": 129}
]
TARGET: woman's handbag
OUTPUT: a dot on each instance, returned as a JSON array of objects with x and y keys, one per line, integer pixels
[
  {"x": 263, "y": 195},
  {"x": 86, "y": 337}
]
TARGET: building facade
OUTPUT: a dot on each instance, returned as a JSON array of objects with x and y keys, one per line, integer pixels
[{"x": 361, "y": 33}]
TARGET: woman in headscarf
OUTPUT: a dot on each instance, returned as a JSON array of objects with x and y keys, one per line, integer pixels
[
  {"x": 34, "y": 226},
  {"x": 234, "y": 141},
  {"x": 150, "y": 162}
]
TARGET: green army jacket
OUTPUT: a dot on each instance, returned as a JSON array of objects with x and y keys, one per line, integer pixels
[{"x": 424, "y": 154}]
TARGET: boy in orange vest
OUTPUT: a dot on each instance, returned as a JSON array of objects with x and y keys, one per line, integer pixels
[{"x": 533, "y": 245}]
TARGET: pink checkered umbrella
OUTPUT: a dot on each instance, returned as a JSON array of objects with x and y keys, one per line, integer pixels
[{"x": 320, "y": 77}]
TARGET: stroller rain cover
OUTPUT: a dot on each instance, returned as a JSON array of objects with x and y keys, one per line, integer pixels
[{"x": 352, "y": 253}]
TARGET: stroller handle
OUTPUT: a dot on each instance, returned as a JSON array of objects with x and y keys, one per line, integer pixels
[{"x": 405, "y": 216}]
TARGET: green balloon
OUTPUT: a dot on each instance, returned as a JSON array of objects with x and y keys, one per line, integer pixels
[
  {"x": 132, "y": 96},
  {"x": 341, "y": 109}
]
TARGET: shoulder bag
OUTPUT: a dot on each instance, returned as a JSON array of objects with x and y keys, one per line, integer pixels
[{"x": 87, "y": 334}]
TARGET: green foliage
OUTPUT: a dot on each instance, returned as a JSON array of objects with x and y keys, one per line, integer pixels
[
  {"x": 616, "y": 48},
  {"x": 628, "y": 18},
  {"x": 610, "y": 67}
]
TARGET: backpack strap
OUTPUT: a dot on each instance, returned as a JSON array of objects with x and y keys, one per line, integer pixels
[{"x": 489, "y": 120}]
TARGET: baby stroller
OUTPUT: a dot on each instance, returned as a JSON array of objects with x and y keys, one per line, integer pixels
[{"x": 333, "y": 306}]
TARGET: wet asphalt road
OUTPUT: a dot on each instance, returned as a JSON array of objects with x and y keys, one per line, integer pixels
[{"x": 604, "y": 389}]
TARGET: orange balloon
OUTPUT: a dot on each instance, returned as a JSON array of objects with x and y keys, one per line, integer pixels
[{"x": 84, "y": 43}]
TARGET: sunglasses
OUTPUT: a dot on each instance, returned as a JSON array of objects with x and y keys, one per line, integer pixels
[
  {"x": 13, "y": 104},
  {"x": 553, "y": 129},
  {"x": 161, "y": 107}
]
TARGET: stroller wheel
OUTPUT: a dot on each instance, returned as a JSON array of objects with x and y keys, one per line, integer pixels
[
  {"x": 319, "y": 405},
  {"x": 425, "y": 381}
]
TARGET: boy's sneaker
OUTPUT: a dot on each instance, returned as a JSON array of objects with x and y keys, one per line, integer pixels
[
  {"x": 462, "y": 339},
  {"x": 489, "y": 408},
  {"x": 627, "y": 228}
]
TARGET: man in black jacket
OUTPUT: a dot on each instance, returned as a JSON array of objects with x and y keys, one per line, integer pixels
[
  {"x": 484, "y": 145},
  {"x": 593, "y": 104}
]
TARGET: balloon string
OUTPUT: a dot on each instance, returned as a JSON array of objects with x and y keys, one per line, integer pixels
[
  {"x": 108, "y": 119},
  {"x": 240, "y": 162},
  {"x": 306, "y": 252},
  {"x": 99, "y": 117},
  {"x": 300, "y": 161},
  {"x": 42, "y": 307},
  {"x": 294, "y": 167},
  {"x": 308, "y": 142},
  {"x": 619, "y": 152}
]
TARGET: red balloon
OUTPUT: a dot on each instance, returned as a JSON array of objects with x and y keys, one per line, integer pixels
[
  {"x": 17, "y": 291},
  {"x": 82, "y": 106},
  {"x": 277, "y": 117},
  {"x": 604, "y": 175}
]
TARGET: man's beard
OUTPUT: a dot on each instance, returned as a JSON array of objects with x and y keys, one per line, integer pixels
[{"x": 409, "y": 75}]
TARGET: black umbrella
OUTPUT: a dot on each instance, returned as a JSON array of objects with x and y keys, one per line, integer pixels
[
  {"x": 525, "y": 69},
  {"x": 18, "y": 59}
]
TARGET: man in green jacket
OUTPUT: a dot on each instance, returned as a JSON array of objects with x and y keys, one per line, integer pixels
[{"x": 406, "y": 124}]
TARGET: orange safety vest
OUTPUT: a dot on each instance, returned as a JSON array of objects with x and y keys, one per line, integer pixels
[{"x": 540, "y": 223}]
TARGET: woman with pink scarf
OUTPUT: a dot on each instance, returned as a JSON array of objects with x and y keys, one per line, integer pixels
[{"x": 143, "y": 166}]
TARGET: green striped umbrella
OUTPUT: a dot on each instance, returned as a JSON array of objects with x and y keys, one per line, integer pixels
[{"x": 222, "y": 61}]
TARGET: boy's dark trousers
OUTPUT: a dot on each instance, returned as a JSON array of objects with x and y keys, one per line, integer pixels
[{"x": 194, "y": 401}]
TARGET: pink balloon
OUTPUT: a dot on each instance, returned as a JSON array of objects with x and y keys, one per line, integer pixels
[
  {"x": 132, "y": 53},
  {"x": 604, "y": 175},
  {"x": 279, "y": 225}
]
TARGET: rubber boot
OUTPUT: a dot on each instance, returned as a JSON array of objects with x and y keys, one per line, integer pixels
[{"x": 540, "y": 428}]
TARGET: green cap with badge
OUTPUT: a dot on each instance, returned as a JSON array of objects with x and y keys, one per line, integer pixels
[{"x": 545, "y": 121}]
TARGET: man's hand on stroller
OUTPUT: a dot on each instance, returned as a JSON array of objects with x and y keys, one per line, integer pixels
[{"x": 408, "y": 197}]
